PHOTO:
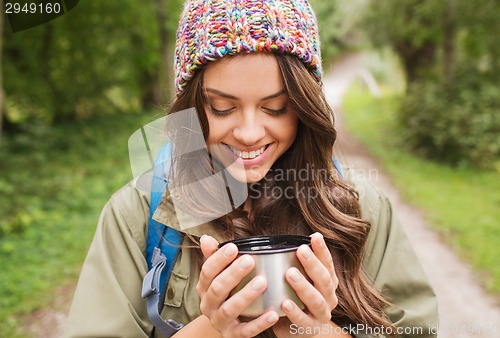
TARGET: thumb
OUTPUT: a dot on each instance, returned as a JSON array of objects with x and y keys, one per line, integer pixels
[{"x": 208, "y": 245}]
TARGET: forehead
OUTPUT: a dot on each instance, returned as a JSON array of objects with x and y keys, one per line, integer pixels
[{"x": 254, "y": 75}]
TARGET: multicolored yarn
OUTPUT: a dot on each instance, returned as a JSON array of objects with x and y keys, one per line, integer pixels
[{"x": 211, "y": 29}]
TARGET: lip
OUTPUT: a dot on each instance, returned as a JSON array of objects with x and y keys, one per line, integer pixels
[{"x": 249, "y": 162}]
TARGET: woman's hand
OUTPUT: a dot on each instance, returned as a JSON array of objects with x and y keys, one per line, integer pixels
[
  {"x": 221, "y": 273},
  {"x": 319, "y": 297}
]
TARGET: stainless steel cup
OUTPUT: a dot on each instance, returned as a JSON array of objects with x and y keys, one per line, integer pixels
[{"x": 273, "y": 256}]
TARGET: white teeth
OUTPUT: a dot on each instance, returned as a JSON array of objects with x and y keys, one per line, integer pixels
[{"x": 247, "y": 155}]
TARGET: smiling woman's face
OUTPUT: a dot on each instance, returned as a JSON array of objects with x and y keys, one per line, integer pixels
[{"x": 248, "y": 114}]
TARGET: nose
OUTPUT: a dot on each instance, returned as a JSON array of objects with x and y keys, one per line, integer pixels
[{"x": 250, "y": 130}]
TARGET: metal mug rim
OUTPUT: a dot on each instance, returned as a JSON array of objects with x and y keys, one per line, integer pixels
[{"x": 244, "y": 244}]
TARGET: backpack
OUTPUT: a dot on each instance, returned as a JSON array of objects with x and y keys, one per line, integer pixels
[{"x": 162, "y": 248}]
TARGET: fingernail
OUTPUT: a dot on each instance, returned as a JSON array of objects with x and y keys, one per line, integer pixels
[
  {"x": 231, "y": 248},
  {"x": 288, "y": 305},
  {"x": 203, "y": 238},
  {"x": 273, "y": 317},
  {"x": 294, "y": 275},
  {"x": 305, "y": 251},
  {"x": 319, "y": 236},
  {"x": 258, "y": 283},
  {"x": 246, "y": 261}
]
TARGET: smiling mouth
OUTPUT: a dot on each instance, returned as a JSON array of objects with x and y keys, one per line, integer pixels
[{"x": 248, "y": 155}]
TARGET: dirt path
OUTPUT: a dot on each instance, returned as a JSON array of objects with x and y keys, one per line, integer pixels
[
  {"x": 465, "y": 309},
  {"x": 49, "y": 322}
]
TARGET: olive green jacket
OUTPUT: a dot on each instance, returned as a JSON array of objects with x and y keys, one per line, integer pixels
[{"x": 108, "y": 303}]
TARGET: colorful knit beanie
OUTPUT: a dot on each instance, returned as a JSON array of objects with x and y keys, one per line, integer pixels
[{"x": 211, "y": 29}]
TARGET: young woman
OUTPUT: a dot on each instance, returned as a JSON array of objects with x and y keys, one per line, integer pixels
[{"x": 252, "y": 71}]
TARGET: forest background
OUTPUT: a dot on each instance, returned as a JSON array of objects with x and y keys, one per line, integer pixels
[{"x": 73, "y": 90}]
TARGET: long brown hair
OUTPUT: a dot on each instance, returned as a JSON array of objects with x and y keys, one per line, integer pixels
[{"x": 322, "y": 202}]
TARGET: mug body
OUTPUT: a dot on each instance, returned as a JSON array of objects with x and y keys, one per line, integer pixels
[{"x": 273, "y": 255}]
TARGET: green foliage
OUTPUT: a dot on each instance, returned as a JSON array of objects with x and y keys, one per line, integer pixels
[
  {"x": 479, "y": 23},
  {"x": 53, "y": 185},
  {"x": 413, "y": 28},
  {"x": 174, "y": 9},
  {"x": 460, "y": 128},
  {"x": 452, "y": 59},
  {"x": 457, "y": 119},
  {"x": 327, "y": 14},
  {"x": 338, "y": 21},
  {"x": 412, "y": 22},
  {"x": 87, "y": 62},
  {"x": 460, "y": 203}
]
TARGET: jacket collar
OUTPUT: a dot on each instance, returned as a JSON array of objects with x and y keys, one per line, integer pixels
[{"x": 167, "y": 215}]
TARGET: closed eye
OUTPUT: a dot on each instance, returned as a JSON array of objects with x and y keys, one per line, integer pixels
[
  {"x": 219, "y": 112},
  {"x": 276, "y": 111}
]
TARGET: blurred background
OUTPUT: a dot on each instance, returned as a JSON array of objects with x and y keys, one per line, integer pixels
[{"x": 73, "y": 90}]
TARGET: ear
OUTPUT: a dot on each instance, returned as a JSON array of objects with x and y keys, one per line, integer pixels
[{"x": 208, "y": 245}]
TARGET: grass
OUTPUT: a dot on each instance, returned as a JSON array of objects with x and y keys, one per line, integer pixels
[
  {"x": 462, "y": 204},
  {"x": 54, "y": 182}
]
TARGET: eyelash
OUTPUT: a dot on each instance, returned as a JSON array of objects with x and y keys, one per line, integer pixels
[
  {"x": 277, "y": 112},
  {"x": 220, "y": 112},
  {"x": 227, "y": 111}
]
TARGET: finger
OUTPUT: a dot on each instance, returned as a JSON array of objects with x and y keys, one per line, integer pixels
[
  {"x": 241, "y": 300},
  {"x": 214, "y": 264},
  {"x": 319, "y": 274},
  {"x": 312, "y": 298},
  {"x": 258, "y": 325},
  {"x": 208, "y": 245},
  {"x": 296, "y": 315},
  {"x": 227, "y": 280},
  {"x": 321, "y": 251}
]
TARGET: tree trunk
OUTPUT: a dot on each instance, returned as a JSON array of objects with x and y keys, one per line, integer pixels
[
  {"x": 1, "y": 69},
  {"x": 149, "y": 92},
  {"x": 416, "y": 60},
  {"x": 166, "y": 78},
  {"x": 449, "y": 44}
]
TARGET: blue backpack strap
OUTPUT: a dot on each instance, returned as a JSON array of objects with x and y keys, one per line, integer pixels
[
  {"x": 162, "y": 247},
  {"x": 337, "y": 166}
]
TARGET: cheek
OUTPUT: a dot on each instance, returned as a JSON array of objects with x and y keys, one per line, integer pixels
[
  {"x": 287, "y": 130},
  {"x": 218, "y": 129},
  {"x": 290, "y": 136}
]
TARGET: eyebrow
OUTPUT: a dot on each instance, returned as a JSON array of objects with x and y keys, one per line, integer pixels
[{"x": 229, "y": 96}]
